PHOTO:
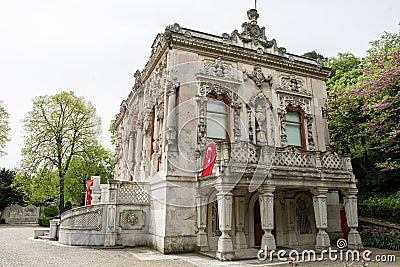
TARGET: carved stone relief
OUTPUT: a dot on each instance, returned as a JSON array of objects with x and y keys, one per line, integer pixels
[
  {"x": 132, "y": 219},
  {"x": 258, "y": 77},
  {"x": 293, "y": 85},
  {"x": 218, "y": 70}
]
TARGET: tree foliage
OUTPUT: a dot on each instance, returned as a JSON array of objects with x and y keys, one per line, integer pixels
[
  {"x": 58, "y": 129},
  {"x": 314, "y": 55},
  {"x": 8, "y": 195},
  {"x": 363, "y": 112},
  {"x": 4, "y": 128}
]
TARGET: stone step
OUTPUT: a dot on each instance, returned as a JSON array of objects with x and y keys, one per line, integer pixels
[
  {"x": 45, "y": 237},
  {"x": 40, "y": 232}
]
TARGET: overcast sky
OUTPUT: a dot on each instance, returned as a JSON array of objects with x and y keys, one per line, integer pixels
[{"x": 93, "y": 47}]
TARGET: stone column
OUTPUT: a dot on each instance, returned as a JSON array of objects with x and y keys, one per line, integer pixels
[
  {"x": 155, "y": 144},
  {"x": 172, "y": 88},
  {"x": 321, "y": 218},
  {"x": 131, "y": 153},
  {"x": 225, "y": 247},
  {"x": 138, "y": 150},
  {"x": 267, "y": 217},
  {"x": 201, "y": 208},
  {"x": 240, "y": 238},
  {"x": 350, "y": 206}
]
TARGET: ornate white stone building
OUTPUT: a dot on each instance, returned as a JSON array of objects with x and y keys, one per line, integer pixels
[{"x": 275, "y": 182}]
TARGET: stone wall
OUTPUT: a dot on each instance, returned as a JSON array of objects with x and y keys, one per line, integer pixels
[{"x": 16, "y": 214}]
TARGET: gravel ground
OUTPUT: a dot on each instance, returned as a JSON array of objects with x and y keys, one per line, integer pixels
[{"x": 17, "y": 248}]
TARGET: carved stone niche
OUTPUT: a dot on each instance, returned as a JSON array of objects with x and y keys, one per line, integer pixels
[{"x": 132, "y": 219}]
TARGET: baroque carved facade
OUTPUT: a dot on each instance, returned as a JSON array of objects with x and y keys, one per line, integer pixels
[{"x": 274, "y": 182}]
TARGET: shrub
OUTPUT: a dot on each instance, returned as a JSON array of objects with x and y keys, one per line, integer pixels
[
  {"x": 51, "y": 211},
  {"x": 384, "y": 242},
  {"x": 385, "y": 207},
  {"x": 45, "y": 221},
  {"x": 2, "y": 221}
]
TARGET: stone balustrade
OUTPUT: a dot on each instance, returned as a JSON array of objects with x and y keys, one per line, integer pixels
[{"x": 247, "y": 157}]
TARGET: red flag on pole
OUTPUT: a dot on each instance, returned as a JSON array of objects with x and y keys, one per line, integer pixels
[
  {"x": 89, "y": 183},
  {"x": 209, "y": 159}
]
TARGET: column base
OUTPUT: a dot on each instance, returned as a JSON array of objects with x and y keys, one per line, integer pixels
[
  {"x": 225, "y": 249},
  {"x": 354, "y": 240},
  {"x": 268, "y": 242},
  {"x": 202, "y": 243},
  {"x": 322, "y": 240},
  {"x": 240, "y": 240}
]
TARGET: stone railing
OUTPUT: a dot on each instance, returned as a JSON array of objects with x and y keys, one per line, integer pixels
[
  {"x": 84, "y": 218},
  {"x": 247, "y": 157},
  {"x": 120, "y": 219}
]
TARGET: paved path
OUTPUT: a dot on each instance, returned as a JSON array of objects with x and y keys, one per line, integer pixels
[{"x": 17, "y": 248}]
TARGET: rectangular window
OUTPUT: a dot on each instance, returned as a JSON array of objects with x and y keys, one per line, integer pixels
[
  {"x": 293, "y": 128},
  {"x": 216, "y": 119}
]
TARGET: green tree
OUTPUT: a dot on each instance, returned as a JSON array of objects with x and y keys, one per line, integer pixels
[
  {"x": 37, "y": 187},
  {"x": 314, "y": 55},
  {"x": 58, "y": 129},
  {"x": 363, "y": 106},
  {"x": 99, "y": 162},
  {"x": 4, "y": 128},
  {"x": 8, "y": 195}
]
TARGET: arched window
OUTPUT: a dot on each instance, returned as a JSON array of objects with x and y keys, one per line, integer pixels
[
  {"x": 294, "y": 121},
  {"x": 217, "y": 117},
  {"x": 303, "y": 216}
]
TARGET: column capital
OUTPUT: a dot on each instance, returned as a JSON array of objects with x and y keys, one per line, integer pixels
[
  {"x": 319, "y": 191},
  {"x": 172, "y": 86},
  {"x": 224, "y": 188},
  {"x": 266, "y": 189},
  {"x": 350, "y": 192}
]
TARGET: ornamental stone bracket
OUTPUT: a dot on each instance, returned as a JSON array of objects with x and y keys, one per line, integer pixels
[{"x": 258, "y": 77}]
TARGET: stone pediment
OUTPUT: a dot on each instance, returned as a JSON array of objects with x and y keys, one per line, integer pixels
[{"x": 219, "y": 71}]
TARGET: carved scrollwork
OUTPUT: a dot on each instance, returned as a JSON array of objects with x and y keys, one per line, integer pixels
[
  {"x": 258, "y": 77},
  {"x": 293, "y": 85},
  {"x": 218, "y": 70}
]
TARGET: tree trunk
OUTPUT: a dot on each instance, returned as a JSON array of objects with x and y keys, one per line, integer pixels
[{"x": 61, "y": 176}]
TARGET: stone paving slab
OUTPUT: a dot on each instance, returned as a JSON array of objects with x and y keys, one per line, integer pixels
[{"x": 18, "y": 248}]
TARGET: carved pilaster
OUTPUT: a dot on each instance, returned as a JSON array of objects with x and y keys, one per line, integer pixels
[
  {"x": 240, "y": 238},
  {"x": 310, "y": 135},
  {"x": 201, "y": 208}
]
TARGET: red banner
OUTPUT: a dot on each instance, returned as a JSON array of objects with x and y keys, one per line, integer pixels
[
  {"x": 209, "y": 159},
  {"x": 89, "y": 183}
]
